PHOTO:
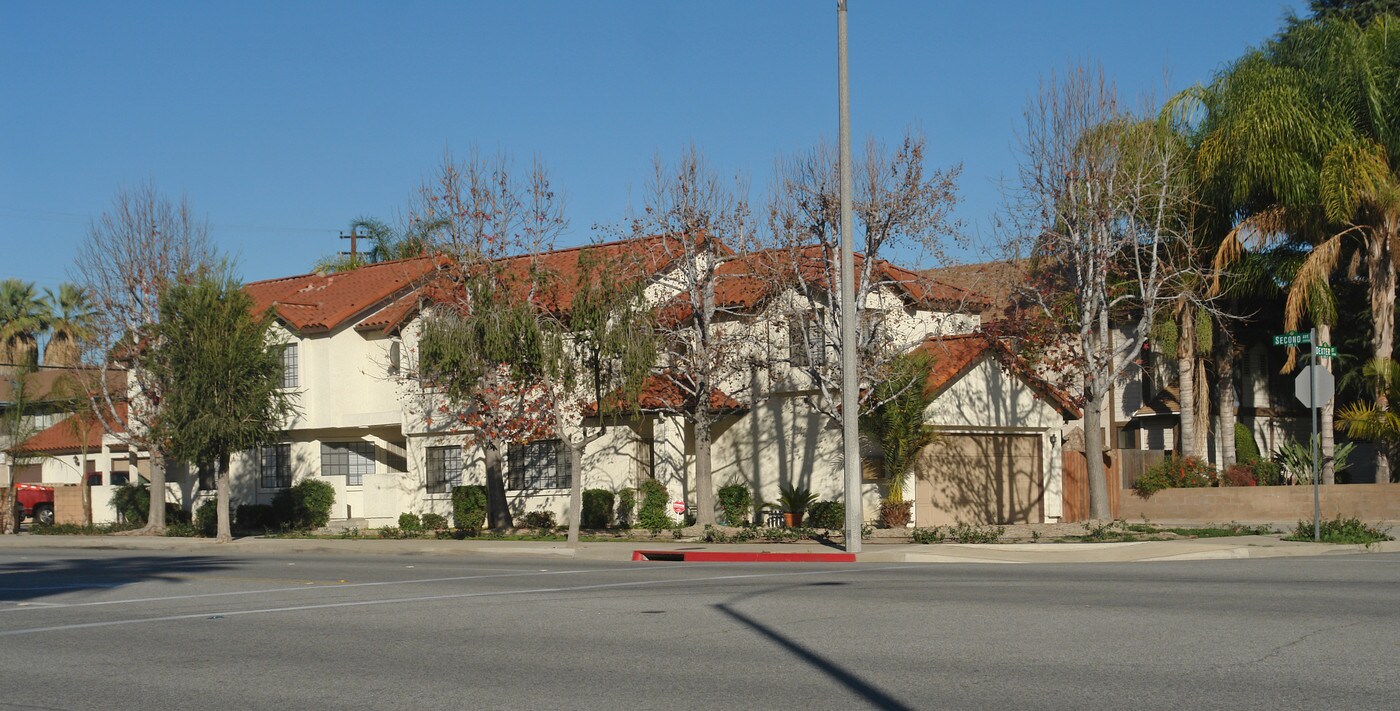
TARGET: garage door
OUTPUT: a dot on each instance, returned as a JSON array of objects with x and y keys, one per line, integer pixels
[{"x": 981, "y": 479}]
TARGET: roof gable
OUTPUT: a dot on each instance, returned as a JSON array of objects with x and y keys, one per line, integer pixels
[
  {"x": 324, "y": 302},
  {"x": 954, "y": 356}
]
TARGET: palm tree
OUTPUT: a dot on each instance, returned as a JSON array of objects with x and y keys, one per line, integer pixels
[
  {"x": 1304, "y": 137},
  {"x": 71, "y": 316},
  {"x": 896, "y": 426},
  {"x": 386, "y": 245},
  {"x": 1367, "y": 421},
  {"x": 23, "y": 317}
]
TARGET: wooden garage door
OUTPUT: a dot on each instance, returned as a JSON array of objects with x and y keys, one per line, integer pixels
[{"x": 981, "y": 479}]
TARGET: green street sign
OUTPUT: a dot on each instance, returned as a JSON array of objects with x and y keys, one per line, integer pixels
[
  {"x": 1292, "y": 338},
  {"x": 1326, "y": 351}
]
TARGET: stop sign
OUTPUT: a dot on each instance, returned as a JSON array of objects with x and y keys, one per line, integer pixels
[
  {"x": 1326, "y": 385},
  {"x": 678, "y": 506}
]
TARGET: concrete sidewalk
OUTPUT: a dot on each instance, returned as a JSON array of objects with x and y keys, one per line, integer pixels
[{"x": 1186, "y": 549}]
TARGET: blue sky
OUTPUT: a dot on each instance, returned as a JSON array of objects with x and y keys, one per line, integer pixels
[{"x": 283, "y": 121}]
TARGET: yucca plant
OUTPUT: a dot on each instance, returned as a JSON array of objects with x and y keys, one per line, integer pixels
[{"x": 1369, "y": 420}]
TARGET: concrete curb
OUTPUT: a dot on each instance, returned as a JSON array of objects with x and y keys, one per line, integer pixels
[{"x": 1251, "y": 547}]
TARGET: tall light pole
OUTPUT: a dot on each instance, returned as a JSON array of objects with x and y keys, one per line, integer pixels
[{"x": 850, "y": 384}]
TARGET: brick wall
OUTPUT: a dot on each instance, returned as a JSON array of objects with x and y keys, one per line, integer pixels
[{"x": 1262, "y": 504}]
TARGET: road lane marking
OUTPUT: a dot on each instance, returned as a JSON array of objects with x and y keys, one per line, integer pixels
[
  {"x": 380, "y": 583},
  {"x": 433, "y": 598}
]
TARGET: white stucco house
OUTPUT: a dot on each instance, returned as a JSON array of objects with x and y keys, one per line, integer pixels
[{"x": 347, "y": 339}]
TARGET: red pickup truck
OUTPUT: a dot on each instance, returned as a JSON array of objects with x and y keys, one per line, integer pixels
[{"x": 36, "y": 502}]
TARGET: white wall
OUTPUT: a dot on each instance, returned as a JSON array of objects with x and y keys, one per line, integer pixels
[{"x": 987, "y": 399}]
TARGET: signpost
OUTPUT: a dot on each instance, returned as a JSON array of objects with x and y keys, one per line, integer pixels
[{"x": 1314, "y": 388}]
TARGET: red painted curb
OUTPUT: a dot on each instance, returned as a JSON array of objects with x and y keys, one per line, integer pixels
[{"x": 723, "y": 557}]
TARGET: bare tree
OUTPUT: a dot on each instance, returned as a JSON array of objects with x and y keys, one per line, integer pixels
[
  {"x": 141, "y": 245},
  {"x": 901, "y": 206},
  {"x": 703, "y": 219},
  {"x": 1101, "y": 205},
  {"x": 477, "y": 212}
]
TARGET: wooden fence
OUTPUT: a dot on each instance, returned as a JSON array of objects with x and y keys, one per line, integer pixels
[{"x": 1077, "y": 480}]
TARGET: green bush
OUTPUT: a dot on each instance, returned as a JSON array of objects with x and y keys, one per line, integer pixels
[
  {"x": 206, "y": 518},
  {"x": 652, "y": 515},
  {"x": 409, "y": 522},
  {"x": 132, "y": 502},
  {"x": 626, "y": 506},
  {"x": 1246, "y": 451},
  {"x": 390, "y": 532},
  {"x": 469, "y": 506},
  {"x": 1267, "y": 472},
  {"x": 928, "y": 535},
  {"x": 305, "y": 506},
  {"x": 1175, "y": 473},
  {"x": 256, "y": 517},
  {"x": 735, "y": 501},
  {"x": 597, "y": 508},
  {"x": 434, "y": 522},
  {"x": 542, "y": 520},
  {"x": 830, "y": 515},
  {"x": 73, "y": 529},
  {"x": 1340, "y": 530},
  {"x": 181, "y": 529}
]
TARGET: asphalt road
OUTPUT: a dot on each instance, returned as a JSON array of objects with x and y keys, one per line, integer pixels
[{"x": 132, "y": 630}]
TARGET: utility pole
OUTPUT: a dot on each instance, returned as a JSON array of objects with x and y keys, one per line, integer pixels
[
  {"x": 354, "y": 238},
  {"x": 850, "y": 385}
]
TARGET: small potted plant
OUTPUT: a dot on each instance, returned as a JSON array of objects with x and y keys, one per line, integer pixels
[{"x": 794, "y": 501}]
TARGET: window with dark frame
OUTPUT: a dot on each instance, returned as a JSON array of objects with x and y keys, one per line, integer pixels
[
  {"x": 352, "y": 460},
  {"x": 289, "y": 366},
  {"x": 206, "y": 477},
  {"x": 276, "y": 461},
  {"x": 538, "y": 465},
  {"x": 444, "y": 466},
  {"x": 806, "y": 340}
]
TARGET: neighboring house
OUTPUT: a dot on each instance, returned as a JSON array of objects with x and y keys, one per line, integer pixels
[
  {"x": 348, "y": 341},
  {"x": 33, "y": 401},
  {"x": 1144, "y": 416}
]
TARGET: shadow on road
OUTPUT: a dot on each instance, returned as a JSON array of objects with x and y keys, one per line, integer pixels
[
  {"x": 27, "y": 580},
  {"x": 872, "y": 694}
]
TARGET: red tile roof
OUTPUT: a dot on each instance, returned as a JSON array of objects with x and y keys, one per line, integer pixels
[
  {"x": 322, "y": 302},
  {"x": 744, "y": 283},
  {"x": 666, "y": 392},
  {"x": 628, "y": 258},
  {"x": 71, "y": 434},
  {"x": 955, "y": 355}
]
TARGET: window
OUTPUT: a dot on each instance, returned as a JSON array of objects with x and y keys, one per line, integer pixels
[
  {"x": 119, "y": 477},
  {"x": 289, "y": 366},
  {"x": 444, "y": 469},
  {"x": 94, "y": 478},
  {"x": 806, "y": 340},
  {"x": 276, "y": 466},
  {"x": 206, "y": 477},
  {"x": 395, "y": 358},
  {"x": 538, "y": 465},
  {"x": 352, "y": 460}
]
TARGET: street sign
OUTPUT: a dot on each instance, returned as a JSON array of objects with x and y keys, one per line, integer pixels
[
  {"x": 1292, "y": 338},
  {"x": 678, "y": 506},
  {"x": 1326, "y": 351},
  {"x": 1326, "y": 385}
]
